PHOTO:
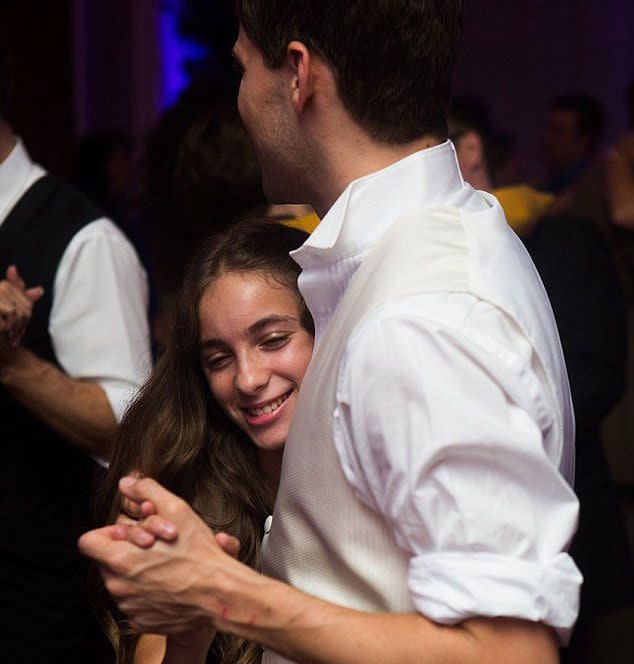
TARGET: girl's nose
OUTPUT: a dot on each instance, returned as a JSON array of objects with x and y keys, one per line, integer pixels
[{"x": 252, "y": 375}]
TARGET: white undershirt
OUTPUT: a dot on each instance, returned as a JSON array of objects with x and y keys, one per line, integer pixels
[{"x": 98, "y": 322}]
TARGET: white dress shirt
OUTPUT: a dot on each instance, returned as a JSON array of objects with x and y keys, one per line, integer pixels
[
  {"x": 98, "y": 322},
  {"x": 443, "y": 424}
]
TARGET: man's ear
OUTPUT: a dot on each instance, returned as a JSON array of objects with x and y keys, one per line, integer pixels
[{"x": 301, "y": 64}]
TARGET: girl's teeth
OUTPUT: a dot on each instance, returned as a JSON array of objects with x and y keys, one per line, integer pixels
[{"x": 268, "y": 409}]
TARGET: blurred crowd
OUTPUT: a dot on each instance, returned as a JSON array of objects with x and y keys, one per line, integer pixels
[{"x": 577, "y": 223}]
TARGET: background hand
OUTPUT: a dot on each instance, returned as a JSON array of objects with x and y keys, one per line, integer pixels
[{"x": 16, "y": 305}]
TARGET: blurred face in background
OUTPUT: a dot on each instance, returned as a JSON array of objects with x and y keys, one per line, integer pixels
[
  {"x": 472, "y": 159},
  {"x": 565, "y": 146}
]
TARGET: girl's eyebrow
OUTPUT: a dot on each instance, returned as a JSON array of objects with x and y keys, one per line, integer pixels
[
  {"x": 211, "y": 343},
  {"x": 258, "y": 326},
  {"x": 274, "y": 319}
]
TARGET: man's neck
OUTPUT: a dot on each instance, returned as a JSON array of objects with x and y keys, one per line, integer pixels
[
  {"x": 8, "y": 140},
  {"x": 353, "y": 159}
]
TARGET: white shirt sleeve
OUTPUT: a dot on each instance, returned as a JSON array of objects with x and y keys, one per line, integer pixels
[
  {"x": 437, "y": 429},
  {"x": 98, "y": 322}
]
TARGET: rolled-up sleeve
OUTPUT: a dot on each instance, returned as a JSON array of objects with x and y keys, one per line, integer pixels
[
  {"x": 431, "y": 434},
  {"x": 99, "y": 318}
]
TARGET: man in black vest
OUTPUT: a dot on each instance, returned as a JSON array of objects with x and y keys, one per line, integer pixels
[{"x": 73, "y": 349}]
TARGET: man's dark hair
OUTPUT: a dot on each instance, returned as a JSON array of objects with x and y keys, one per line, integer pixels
[
  {"x": 590, "y": 116},
  {"x": 392, "y": 59}
]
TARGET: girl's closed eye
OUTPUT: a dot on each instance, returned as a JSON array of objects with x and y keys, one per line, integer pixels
[
  {"x": 276, "y": 341},
  {"x": 217, "y": 361}
]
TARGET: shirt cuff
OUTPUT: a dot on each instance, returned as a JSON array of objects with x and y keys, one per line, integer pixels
[{"x": 449, "y": 588}]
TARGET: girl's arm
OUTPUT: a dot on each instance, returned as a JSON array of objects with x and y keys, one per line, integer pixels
[
  {"x": 189, "y": 648},
  {"x": 150, "y": 649}
]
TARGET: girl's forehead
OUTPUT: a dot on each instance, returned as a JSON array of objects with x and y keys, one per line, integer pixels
[
  {"x": 239, "y": 282},
  {"x": 235, "y": 300}
]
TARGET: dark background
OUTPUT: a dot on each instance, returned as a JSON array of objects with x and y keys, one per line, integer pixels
[{"x": 85, "y": 65}]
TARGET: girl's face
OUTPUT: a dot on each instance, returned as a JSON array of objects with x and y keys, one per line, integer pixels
[{"x": 254, "y": 352}]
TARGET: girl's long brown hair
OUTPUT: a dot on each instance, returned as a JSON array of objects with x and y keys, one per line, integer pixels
[{"x": 176, "y": 433}]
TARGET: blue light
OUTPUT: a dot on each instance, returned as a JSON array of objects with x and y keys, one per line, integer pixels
[{"x": 175, "y": 52}]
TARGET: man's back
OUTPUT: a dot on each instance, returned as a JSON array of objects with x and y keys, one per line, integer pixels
[{"x": 371, "y": 528}]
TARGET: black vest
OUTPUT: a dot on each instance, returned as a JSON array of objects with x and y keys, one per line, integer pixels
[{"x": 45, "y": 482}]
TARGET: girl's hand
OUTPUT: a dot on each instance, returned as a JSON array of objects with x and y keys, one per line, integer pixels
[{"x": 143, "y": 533}]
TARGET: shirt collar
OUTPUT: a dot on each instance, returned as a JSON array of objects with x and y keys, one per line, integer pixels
[
  {"x": 363, "y": 212},
  {"x": 17, "y": 172},
  {"x": 370, "y": 204}
]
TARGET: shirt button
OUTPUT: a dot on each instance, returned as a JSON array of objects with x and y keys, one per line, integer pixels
[{"x": 267, "y": 525}]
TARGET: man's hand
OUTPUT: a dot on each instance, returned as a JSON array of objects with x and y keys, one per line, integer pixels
[
  {"x": 16, "y": 306},
  {"x": 174, "y": 587}
]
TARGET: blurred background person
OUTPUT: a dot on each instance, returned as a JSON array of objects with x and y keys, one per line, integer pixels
[
  {"x": 574, "y": 126},
  {"x": 65, "y": 380},
  {"x": 620, "y": 172},
  {"x": 201, "y": 175},
  {"x": 604, "y": 194}
]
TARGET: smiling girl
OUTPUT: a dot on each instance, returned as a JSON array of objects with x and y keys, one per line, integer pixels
[{"x": 212, "y": 421}]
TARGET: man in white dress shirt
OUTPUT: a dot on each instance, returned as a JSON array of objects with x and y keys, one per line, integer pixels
[
  {"x": 72, "y": 355},
  {"x": 424, "y": 508}
]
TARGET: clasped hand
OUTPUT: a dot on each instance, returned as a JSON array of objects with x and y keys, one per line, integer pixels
[{"x": 167, "y": 572}]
